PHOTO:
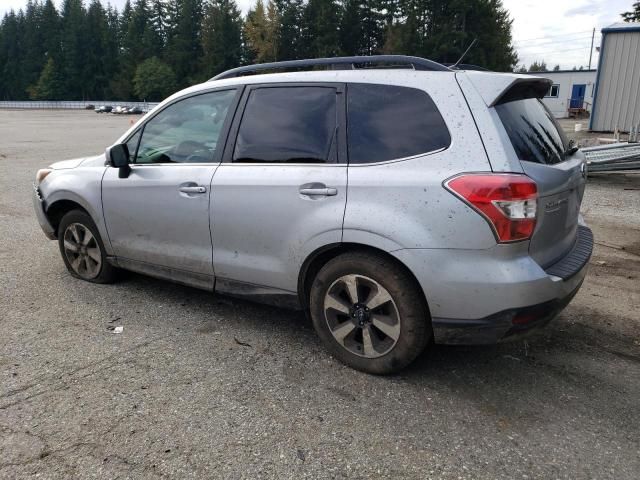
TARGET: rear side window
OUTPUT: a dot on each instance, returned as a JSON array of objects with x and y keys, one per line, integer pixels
[
  {"x": 288, "y": 125},
  {"x": 386, "y": 122},
  {"x": 534, "y": 133}
]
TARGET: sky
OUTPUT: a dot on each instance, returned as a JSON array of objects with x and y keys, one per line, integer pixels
[{"x": 556, "y": 31}]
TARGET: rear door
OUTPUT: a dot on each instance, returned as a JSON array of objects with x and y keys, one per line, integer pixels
[
  {"x": 280, "y": 191},
  {"x": 543, "y": 151}
]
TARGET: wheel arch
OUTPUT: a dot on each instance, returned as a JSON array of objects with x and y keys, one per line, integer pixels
[
  {"x": 59, "y": 202},
  {"x": 317, "y": 259},
  {"x": 60, "y": 208}
]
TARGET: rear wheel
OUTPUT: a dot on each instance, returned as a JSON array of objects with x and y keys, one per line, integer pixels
[
  {"x": 369, "y": 312},
  {"x": 82, "y": 248}
]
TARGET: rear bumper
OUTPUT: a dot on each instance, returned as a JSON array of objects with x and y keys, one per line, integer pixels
[
  {"x": 485, "y": 296},
  {"x": 38, "y": 206},
  {"x": 507, "y": 325}
]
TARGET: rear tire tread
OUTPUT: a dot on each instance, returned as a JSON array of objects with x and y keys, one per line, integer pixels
[{"x": 416, "y": 329}]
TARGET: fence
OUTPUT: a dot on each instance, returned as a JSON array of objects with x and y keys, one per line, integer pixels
[{"x": 72, "y": 105}]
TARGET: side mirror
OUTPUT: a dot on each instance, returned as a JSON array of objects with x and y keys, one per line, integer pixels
[{"x": 118, "y": 157}]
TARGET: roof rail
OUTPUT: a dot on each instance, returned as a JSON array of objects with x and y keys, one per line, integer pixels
[{"x": 416, "y": 62}]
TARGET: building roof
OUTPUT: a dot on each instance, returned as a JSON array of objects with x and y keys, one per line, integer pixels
[
  {"x": 622, "y": 27},
  {"x": 584, "y": 70}
]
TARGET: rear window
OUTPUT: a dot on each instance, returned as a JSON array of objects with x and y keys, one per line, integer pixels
[
  {"x": 534, "y": 133},
  {"x": 385, "y": 122}
]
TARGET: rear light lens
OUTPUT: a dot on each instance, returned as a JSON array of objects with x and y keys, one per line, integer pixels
[{"x": 507, "y": 201}]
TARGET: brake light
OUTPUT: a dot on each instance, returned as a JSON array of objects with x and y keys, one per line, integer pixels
[{"x": 507, "y": 201}]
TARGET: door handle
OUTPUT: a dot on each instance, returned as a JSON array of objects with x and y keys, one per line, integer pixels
[
  {"x": 326, "y": 191},
  {"x": 197, "y": 189}
]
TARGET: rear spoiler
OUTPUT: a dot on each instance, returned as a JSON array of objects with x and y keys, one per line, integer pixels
[{"x": 497, "y": 88}]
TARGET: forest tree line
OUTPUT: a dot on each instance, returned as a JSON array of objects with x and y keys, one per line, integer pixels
[{"x": 153, "y": 47}]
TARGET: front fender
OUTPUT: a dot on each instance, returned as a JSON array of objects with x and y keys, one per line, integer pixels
[{"x": 81, "y": 186}]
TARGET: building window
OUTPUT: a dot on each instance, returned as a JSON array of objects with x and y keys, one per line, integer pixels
[{"x": 554, "y": 91}]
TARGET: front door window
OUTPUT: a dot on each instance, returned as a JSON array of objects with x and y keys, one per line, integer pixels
[{"x": 185, "y": 132}]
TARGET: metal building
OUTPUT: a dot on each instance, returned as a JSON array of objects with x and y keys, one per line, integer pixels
[
  {"x": 571, "y": 92},
  {"x": 616, "y": 102}
]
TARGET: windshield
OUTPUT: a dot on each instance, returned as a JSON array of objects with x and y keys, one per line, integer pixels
[{"x": 534, "y": 133}]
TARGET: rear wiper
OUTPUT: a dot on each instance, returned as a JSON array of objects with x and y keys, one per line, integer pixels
[{"x": 571, "y": 148}]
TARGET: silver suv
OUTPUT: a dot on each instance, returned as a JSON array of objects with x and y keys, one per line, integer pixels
[{"x": 397, "y": 206}]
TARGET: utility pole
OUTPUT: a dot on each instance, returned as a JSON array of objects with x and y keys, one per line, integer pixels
[{"x": 593, "y": 34}]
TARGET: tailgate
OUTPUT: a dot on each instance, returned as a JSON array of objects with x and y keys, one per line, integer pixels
[{"x": 546, "y": 157}]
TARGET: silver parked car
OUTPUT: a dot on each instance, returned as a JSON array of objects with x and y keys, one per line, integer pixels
[{"x": 396, "y": 206}]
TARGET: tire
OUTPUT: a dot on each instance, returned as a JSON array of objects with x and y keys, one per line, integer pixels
[
  {"x": 82, "y": 249},
  {"x": 388, "y": 299}
]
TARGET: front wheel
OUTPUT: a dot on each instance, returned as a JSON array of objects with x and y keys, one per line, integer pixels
[
  {"x": 82, "y": 248},
  {"x": 369, "y": 312}
]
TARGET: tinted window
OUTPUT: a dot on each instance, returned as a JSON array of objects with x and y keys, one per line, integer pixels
[
  {"x": 385, "y": 122},
  {"x": 534, "y": 133},
  {"x": 186, "y": 131},
  {"x": 288, "y": 124}
]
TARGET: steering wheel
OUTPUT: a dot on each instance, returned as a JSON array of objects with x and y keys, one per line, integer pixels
[
  {"x": 190, "y": 151},
  {"x": 200, "y": 156}
]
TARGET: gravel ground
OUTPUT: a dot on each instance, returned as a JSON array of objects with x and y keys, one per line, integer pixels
[{"x": 203, "y": 386}]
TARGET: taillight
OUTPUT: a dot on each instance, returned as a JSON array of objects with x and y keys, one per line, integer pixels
[{"x": 507, "y": 200}]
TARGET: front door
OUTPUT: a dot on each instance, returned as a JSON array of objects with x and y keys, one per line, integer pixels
[
  {"x": 280, "y": 191},
  {"x": 159, "y": 215},
  {"x": 577, "y": 95}
]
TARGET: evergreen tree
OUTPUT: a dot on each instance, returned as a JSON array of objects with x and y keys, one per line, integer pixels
[
  {"x": 158, "y": 26},
  {"x": 123, "y": 22},
  {"x": 633, "y": 15},
  {"x": 50, "y": 85},
  {"x": 12, "y": 84},
  {"x": 87, "y": 50},
  {"x": 488, "y": 22},
  {"x": 363, "y": 25},
  {"x": 443, "y": 29},
  {"x": 351, "y": 28},
  {"x": 184, "y": 41},
  {"x": 261, "y": 28},
  {"x": 73, "y": 41},
  {"x": 320, "y": 35},
  {"x": 538, "y": 66},
  {"x": 96, "y": 52},
  {"x": 112, "y": 53},
  {"x": 289, "y": 29},
  {"x": 221, "y": 36},
  {"x": 50, "y": 30},
  {"x": 137, "y": 43},
  {"x": 33, "y": 58}
]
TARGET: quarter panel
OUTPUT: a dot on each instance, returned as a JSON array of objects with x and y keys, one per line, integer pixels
[
  {"x": 494, "y": 137},
  {"x": 404, "y": 202}
]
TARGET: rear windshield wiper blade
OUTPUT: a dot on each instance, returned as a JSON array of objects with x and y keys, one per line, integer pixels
[{"x": 571, "y": 149}]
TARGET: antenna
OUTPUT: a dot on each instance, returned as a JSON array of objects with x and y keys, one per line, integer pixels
[{"x": 465, "y": 53}]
